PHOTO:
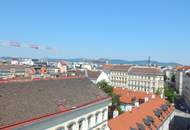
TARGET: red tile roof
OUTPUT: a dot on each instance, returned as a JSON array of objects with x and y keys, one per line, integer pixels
[
  {"x": 182, "y": 67},
  {"x": 126, "y": 95},
  {"x": 129, "y": 120},
  {"x": 108, "y": 66}
]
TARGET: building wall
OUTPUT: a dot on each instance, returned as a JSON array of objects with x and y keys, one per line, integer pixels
[
  {"x": 149, "y": 83},
  {"x": 183, "y": 86},
  {"x": 166, "y": 123},
  {"x": 186, "y": 89},
  {"x": 103, "y": 76},
  {"x": 179, "y": 81},
  {"x": 74, "y": 117}
]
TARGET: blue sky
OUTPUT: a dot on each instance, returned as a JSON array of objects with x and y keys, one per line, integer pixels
[{"x": 127, "y": 29}]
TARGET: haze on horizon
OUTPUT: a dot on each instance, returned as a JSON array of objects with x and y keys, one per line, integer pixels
[{"x": 117, "y": 29}]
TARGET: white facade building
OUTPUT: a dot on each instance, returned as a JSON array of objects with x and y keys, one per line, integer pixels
[
  {"x": 140, "y": 78},
  {"x": 26, "y": 62},
  {"x": 183, "y": 84}
]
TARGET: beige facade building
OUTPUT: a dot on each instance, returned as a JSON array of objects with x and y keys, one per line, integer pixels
[
  {"x": 183, "y": 83},
  {"x": 141, "y": 78}
]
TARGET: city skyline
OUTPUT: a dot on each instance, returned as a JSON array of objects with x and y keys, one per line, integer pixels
[{"x": 129, "y": 30}]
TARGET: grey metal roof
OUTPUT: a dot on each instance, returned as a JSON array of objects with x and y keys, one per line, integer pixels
[
  {"x": 26, "y": 100},
  {"x": 145, "y": 71},
  {"x": 121, "y": 68}
]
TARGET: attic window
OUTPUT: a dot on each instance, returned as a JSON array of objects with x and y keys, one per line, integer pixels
[
  {"x": 140, "y": 126},
  {"x": 147, "y": 122},
  {"x": 158, "y": 113},
  {"x": 164, "y": 107},
  {"x": 150, "y": 118}
]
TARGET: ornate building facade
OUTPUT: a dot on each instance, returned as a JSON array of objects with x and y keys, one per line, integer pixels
[{"x": 141, "y": 78}]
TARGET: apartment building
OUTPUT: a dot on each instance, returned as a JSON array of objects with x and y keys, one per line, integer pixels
[
  {"x": 183, "y": 83},
  {"x": 69, "y": 104},
  {"x": 142, "y": 78},
  {"x": 13, "y": 71}
]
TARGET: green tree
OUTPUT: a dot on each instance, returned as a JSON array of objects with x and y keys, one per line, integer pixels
[
  {"x": 169, "y": 93},
  {"x": 105, "y": 87},
  {"x": 109, "y": 90},
  {"x": 116, "y": 102},
  {"x": 165, "y": 78}
]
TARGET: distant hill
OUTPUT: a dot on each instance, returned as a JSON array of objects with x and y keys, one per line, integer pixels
[
  {"x": 142, "y": 62},
  {"x": 120, "y": 61},
  {"x": 111, "y": 61}
]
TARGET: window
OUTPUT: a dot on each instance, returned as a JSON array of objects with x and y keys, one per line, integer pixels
[
  {"x": 80, "y": 124},
  {"x": 60, "y": 128},
  {"x": 104, "y": 114},
  {"x": 97, "y": 119},
  {"x": 89, "y": 121},
  {"x": 71, "y": 126}
]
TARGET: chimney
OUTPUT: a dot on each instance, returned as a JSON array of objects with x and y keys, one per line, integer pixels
[
  {"x": 161, "y": 96},
  {"x": 129, "y": 108},
  {"x": 86, "y": 73},
  {"x": 153, "y": 96},
  {"x": 136, "y": 104},
  {"x": 146, "y": 99}
]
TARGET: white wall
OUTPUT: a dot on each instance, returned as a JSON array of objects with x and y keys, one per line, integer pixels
[
  {"x": 85, "y": 123},
  {"x": 103, "y": 76},
  {"x": 74, "y": 116}
]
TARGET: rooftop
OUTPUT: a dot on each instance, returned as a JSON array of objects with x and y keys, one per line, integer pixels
[
  {"x": 182, "y": 67},
  {"x": 107, "y": 66},
  {"x": 6, "y": 67},
  {"x": 127, "y": 95},
  {"x": 123, "y": 68},
  {"x": 22, "y": 101},
  {"x": 145, "y": 70},
  {"x": 142, "y": 116},
  {"x": 93, "y": 74}
]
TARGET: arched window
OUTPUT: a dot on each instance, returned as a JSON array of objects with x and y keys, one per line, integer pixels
[
  {"x": 97, "y": 118},
  {"x": 90, "y": 121},
  {"x": 60, "y": 128},
  {"x": 104, "y": 114},
  {"x": 81, "y": 123},
  {"x": 71, "y": 126}
]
